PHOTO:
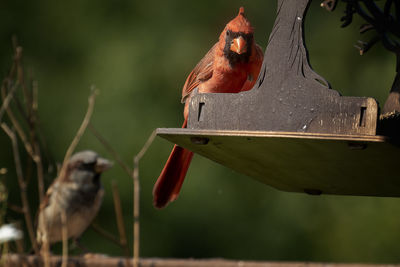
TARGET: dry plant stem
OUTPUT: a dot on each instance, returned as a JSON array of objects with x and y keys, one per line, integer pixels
[
  {"x": 15, "y": 208},
  {"x": 64, "y": 231},
  {"x": 39, "y": 170},
  {"x": 18, "y": 69},
  {"x": 80, "y": 132},
  {"x": 20, "y": 78},
  {"x": 136, "y": 212},
  {"x": 32, "y": 105},
  {"x": 17, "y": 126},
  {"x": 45, "y": 251},
  {"x": 120, "y": 218},
  {"x": 136, "y": 199},
  {"x": 97, "y": 228},
  {"x": 7, "y": 99},
  {"x": 19, "y": 242},
  {"x": 4, "y": 251},
  {"x": 122, "y": 242},
  {"x": 22, "y": 185},
  {"x": 110, "y": 149}
]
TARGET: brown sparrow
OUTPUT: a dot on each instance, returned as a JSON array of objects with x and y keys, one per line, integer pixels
[{"x": 79, "y": 194}]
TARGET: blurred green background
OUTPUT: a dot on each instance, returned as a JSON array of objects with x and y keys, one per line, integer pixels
[{"x": 138, "y": 53}]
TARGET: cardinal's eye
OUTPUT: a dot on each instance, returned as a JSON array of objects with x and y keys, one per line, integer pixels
[{"x": 228, "y": 32}]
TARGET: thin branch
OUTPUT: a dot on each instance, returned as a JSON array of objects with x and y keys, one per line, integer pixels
[
  {"x": 35, "y": 92},
  {"x": 146, "y": 145},
  {"x": 107, "y": 145},
  {"x": 7, "y": 99},
  {"x": 33, "y": 106},
  {"x": 21, "y": 110},
  {"x": 17, "y": 126},
  {"x": 136, "y": 212},
  {"x": 80, "y": 132},
  {"x": 97, "y": 228},
  {"x": 64, "y": 233},
  {"x": 39, "y": 169},
  {"x": 120, "y": 218},
  {"x": 15, "y": 208},
  {"x": 22, "y": 185},
  {"x": 32, "y": 147},
  {"x": 21, "y": 79},
  {"x": 136, "y": 199},
  {"x": 45, "y": 250},
  {"x": 19, "y": 242}
]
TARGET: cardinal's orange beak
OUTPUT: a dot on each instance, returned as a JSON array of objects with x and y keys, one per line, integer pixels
[{"x": 239, "y": 45}]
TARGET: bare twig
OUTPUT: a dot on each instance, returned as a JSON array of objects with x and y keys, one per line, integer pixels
[
  {"x": 22, "y": 185},
  {"x": 107, "y": 145},
  {"x": 35, "y": 96},
  {"x": 120, "y": 218},
  {"x": 15, "y": 208},
  {"x": 39, "y": 169},
  {"x": 20, "y": 71},
  {"x": 17, "y": 67},
  {"x": 19, "y": 242},
  {"x": 121, "y": 228},
  {"x": 136, "y": 212},
  {"x": 136, "y": 199},
  {"x": 146, "y": 145},
  {"x": 64, "y": 232},
  {"x": 17, "y": 125},
  {"x": 97, "y": 228},
  {"x": 45, "y": 249},
  {"x": 7, "y": 99},
  {"x": 32, "y": 105},
  {"x": 30, "y": 100},
  {"x": 80, "y": 132}
]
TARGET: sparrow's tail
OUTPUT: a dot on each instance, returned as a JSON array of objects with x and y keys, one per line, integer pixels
[{"x": 170, "y": 181}]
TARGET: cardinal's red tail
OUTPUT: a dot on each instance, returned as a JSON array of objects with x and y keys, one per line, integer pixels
[{"x": 170, "y": 181}]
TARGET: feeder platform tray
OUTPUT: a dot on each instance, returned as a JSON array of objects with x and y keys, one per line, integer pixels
[{"x": 300, "y": 162}]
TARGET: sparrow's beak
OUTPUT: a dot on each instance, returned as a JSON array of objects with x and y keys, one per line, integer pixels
[
  {"x": 102, "y": 165},
  {"x": 239, "y": 45}
]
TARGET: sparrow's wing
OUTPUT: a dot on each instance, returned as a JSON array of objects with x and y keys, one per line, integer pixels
[
  {"x": 46, "y": 198},
  {"x": 201, "y": 73}
]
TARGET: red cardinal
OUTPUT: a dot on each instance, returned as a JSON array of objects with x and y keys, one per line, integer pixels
[{"x": 232, "y": 65}]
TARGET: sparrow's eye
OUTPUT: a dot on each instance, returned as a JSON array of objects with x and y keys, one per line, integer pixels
[{"x": 87, "y": 166}]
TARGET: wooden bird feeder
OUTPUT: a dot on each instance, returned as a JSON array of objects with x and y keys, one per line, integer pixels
[{"x": 292, "y": 131}]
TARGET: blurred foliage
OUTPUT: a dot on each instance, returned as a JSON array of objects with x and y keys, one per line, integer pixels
[{"x": 138, "y": 53}]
